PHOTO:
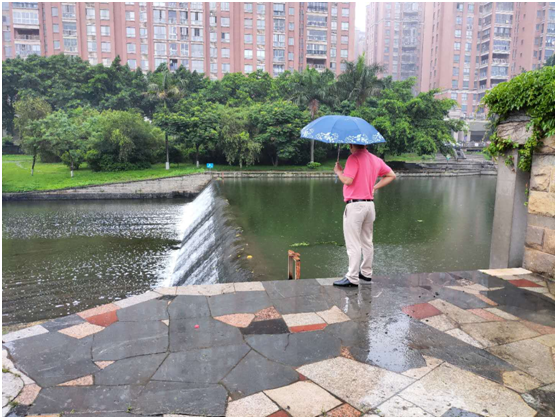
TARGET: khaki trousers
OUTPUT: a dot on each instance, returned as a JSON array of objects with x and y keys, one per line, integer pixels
[{"x": 358, "y": 235}]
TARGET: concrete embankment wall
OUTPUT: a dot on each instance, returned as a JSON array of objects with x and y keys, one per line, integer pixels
[{"x": 187, "y": 186}]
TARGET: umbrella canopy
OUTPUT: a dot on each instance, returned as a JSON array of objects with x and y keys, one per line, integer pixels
[{"x": 339, "y": 129}]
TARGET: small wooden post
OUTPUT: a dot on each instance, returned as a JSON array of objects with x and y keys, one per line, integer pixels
[{"x": 294, "y": 265}]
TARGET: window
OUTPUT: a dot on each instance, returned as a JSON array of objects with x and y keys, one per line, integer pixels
[
  {"x": 160, "y": 32},
  {"x": 261, "y": 9},
  {"x": 279, "y": 40},
  {"x": 184, "y": 50},
  {"x": 213, "y": 67},
  {"x": 458, "y": 33},
  {"x": 159, "y": 16},
  {"x": 278, "y": 69},
  {"x": 334, "y": 11},
  {"x": 26, "y": 18},
  {"x": 248, "y": 38},
  {"x": 460, "y": 7},
  {"x": 144, "y": 49},
  {"x": 213, "y": 52},
  {"x": 290, "y": 56},
  {"x": 105, "y": 46},
  {"x": 172, "y": 17},
  {"x": 131, "y": 48},
  {"x": 160, "y": 48},
  {"x": 260, "y": 39},
  {"x": 459, "y": 20},
  {"x": 213, "y": 37},
  {"x": 278, "y": 55},
  {"x": 344, "y": 40},
  {"x": 56, "y": 44},
  {"x": 105, "y": 14},
  {"x": 105, "y": 30},
  {"x": 196, "y": 50},
  {"x": 291, "y": 11},
  {"x": 197, "y": 18},
  {"x": 143, "y": 16},
  {"x": 279, "y": 25},
  {"x": 290, "y": 41},
  {"x": 173, "y": 32},
  {"x": 248, "y": 7},
  {"x": 342, "y": 66},
  {"x": 225, "y": 53},
  {"x": 130, "y": 32},
  {"x": 68, "y": 11},
  {"x": 457, "y": 46},
  {"x": 143, "y": 32},
  {"x": 455, "y": 71},
  {"x": 91, "y": 30},
  {"x": 333, "y": 66},
  {"x": 345, "y": 12},
  {"x": 225, "y": 22},
  {"x": 344, "y": 26},
  {"x": 184, "y": 34},
  {"x": 173, "y": 49},
  {"x": 213, "y": 20},
  {"x": 455, "y": 84},
  {"x": 107, "y": 62},
  {"x": 456, "y": 58},
  {"x": 130, "y": 15},
  {"x": 89, "y": 13},
  {"x": 132, "y": 64},
  {"x": 92, "y": 46},
  {"x": 454, "y": 96},
  {"x": 225, "y": 6},
  {"x": 226, "y": 68},
  {"x": 54, "y": 11},
  {"x": 248, "y": 23},
  {"x": 278, "y": 9},
  {"x": 465, "y": 84},
  {"x": 344, "y": 53},
  {"x": 333, "y": 52},
  {"x": 225, "y": 37},
  {"x": 260, "y": 24},
  {"x": 260, "y": 54},
  {"x": 470, "y": 8},
  {"x": 334, "y": 25},
  {"x": 69, "y": 29},
  {"x": 314, "y": 20},
  {"x": 145, "y": 64},
  {"x": 248, "y": 68},
  {"x": 248, "y": 54},
  {"x": 468, "y": 34},
  {"x": 198, "y": 66}
]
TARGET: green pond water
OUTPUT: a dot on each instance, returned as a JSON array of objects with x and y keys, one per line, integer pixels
[
  {"x": 422, "y": 224},
  {"x": 62, "y": 257}
]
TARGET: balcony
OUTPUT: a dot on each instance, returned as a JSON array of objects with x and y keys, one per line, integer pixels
[
  {"x": 20, "y": 37},
  {"x": 317, "y": 24},
  {"x": 17, "y": 5},
  {"x": 317, "y": 9}
]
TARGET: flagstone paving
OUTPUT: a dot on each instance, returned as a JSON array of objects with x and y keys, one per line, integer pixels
[{"x": 474, "y": 343}]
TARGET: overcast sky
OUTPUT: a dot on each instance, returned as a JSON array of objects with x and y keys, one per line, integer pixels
[{"x": 361, "y": 15}]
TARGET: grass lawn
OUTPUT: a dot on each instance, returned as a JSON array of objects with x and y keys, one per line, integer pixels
[{"x": 16, "y": 172}]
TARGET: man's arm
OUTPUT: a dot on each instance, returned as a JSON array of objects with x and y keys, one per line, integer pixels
[
  {"x": 385, "y": 180},
  {"x": 344, "y": 179}
]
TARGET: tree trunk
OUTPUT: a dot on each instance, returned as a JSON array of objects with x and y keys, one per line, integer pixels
[
  {"x": 167, "y": 153},
  {"x": 71, "y": 166},
  {"x": 312, "y": 108},
  {"x": 275, "y": 161},
  {"x": 33, "y": 165},
  {"x": 240, "y": 163},
  {"x": 312, "y": 150},
  {"x": 197, "y": 156}
]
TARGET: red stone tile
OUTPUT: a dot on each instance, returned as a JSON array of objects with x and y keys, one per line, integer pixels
[
  {"x": 268, "y": 313},
  {"x": 421, "y": 311},
  {"x": 279, "y": 414},
  {"x": 302, "y": 377},
  {"x": 523, "y": 283},
  {"x": 486, "y": 315},
  {"x": 98, "y": 310},
  {"x": 541, "y": 329},
  {"x": 344, "y": 411},
  {"x": 308, "y": 328},
  {"x": 486, "y": 299},
  {"x": 104, "y": 319}
]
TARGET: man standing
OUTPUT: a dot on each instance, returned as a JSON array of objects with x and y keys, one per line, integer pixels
[{"x": 359, "y": 177}]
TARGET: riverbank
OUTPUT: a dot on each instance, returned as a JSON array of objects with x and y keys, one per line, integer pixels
[{"x": 467, "y": 343}]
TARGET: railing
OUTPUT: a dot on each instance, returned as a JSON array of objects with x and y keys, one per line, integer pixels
[
  {"x": 316, "y": 52},
  {"x": 316, "y": 23},
  {"x": 312, "y": 9},
  {"x": 27, "y": 37}
]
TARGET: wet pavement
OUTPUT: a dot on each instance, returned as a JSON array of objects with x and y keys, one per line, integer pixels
[{"x": 475, "y": 343}]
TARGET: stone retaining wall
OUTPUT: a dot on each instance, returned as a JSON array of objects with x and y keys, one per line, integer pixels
[{"x": 539, "y": 251}]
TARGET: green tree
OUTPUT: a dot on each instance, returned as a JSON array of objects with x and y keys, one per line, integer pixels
[
  {"x": 550, "y": 61},
  {"x": 277, "y": 127},
  {"x": 195, "y": 122},
  {"x": 28, "y": 110},
  {"x": 235, "y": 141},
  {"x": 163, "y": 88},
  {"x": 310, "y": 88},
  {"x": 359, "y": 81}
]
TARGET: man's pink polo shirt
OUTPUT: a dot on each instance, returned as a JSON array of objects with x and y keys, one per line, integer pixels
[{"x": 364, "y": 168}]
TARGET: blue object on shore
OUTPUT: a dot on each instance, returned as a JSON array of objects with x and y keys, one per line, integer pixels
[
  {"x": 209, "y": 165},
  {"x": 340, "y": 129}
]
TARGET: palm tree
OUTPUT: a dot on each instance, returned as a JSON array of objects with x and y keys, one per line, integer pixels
[
  {"x": 163, "y": 88},
  {"x": 311, "y": 88},
  {"x": 359, "y": 81}
]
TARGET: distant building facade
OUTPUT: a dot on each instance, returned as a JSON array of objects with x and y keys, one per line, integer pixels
[
  {"x": 394, "y": 37},
  {"x": 210, "y": 37}
]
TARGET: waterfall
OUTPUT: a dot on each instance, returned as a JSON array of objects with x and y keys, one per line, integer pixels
[{"x": 210, "y": 247}]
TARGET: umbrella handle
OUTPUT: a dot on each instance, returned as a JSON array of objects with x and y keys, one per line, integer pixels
[{"x": 338, "y": 155}]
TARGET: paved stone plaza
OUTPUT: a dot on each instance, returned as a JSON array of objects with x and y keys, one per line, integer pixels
[{"x": 478, "y": 343}]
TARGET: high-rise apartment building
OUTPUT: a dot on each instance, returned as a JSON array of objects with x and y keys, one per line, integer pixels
[
  {"x": 487, "y": 43},
  {"x": 534, "y": 36},
  {"x": 394, "y": 37},
  {"x": 210, "y": 37}
]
